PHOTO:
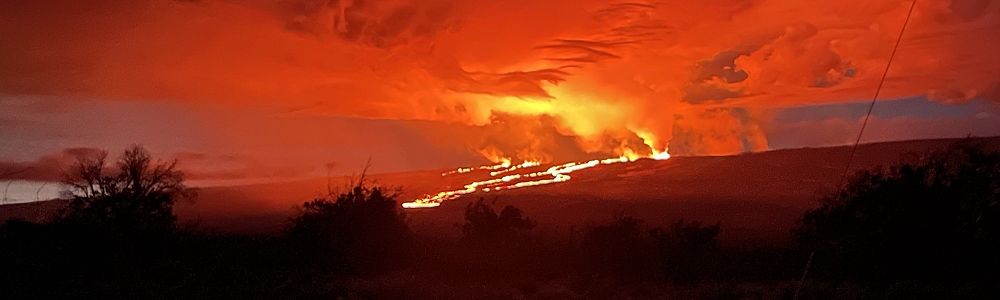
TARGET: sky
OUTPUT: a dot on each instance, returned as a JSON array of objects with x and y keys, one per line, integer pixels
[{"x": 280, "y": 89}]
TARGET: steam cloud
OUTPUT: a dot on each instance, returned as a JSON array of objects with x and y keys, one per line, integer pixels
[{"x": 537, "y": 79}]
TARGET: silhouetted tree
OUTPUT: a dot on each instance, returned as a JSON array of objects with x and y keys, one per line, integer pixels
[
  {"x": 116, "y": 236},
  {"x": 688, "y": 251},
  {"x": 362, "y": 230},
  {"x": 484, "y": 227},
  {"x": 135, "y": 195},
  {"x": 935, "y": 218}
]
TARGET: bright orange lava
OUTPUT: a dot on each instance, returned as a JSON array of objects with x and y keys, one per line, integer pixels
[{"x": 552, "y": 175}]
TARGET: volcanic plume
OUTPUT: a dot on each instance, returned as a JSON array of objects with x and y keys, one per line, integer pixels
[{"x": 536, "y": 80}]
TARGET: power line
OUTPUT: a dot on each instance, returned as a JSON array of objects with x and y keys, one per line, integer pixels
[
  {"x": 864, "y": 124},
  {"x": 871, "y": 107}
]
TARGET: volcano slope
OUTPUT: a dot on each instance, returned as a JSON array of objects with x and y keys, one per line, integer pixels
[{"x": 757, "y": 197}]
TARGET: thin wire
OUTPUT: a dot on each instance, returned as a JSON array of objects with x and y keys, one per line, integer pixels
[
  {"x": 864, "y": 124},
  {"x": 804, "y": 273},
  {"x": 871, "y": 107},
  {"x": 3, "y": 177}
]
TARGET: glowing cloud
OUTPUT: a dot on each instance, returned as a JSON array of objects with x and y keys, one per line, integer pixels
[{"x": 619, "y": 78}]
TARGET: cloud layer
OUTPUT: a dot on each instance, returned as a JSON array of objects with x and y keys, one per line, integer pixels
[{"x": 699, "y": 77}]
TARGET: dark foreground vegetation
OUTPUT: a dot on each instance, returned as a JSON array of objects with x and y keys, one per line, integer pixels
[{"x": 926, "y": 228}]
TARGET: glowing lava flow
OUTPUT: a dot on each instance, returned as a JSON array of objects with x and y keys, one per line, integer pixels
[
  {"x": 557, "y": 173},
  {"x": 504, "y": 164}
]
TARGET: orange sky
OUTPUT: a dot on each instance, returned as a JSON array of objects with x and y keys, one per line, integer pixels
[{"x": 552, "y": 79}]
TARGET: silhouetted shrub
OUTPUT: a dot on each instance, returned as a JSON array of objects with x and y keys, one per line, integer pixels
[
  {"x": 688, "y": 251},
  {"x": 937, "y": 218},
  {"x": 362, "y": 230},
  {"x": 485, "y": 228},
  {"x": 622, "y": 248},
  {"x": 497, "y": 245}
]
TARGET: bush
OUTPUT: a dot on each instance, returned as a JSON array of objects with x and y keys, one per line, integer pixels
[
  {"x": 362, "y": 230},
  {"x": 486, "y": 229},
  {"x": 497, "y": 245},
  {"x": 937, "y": 218}
]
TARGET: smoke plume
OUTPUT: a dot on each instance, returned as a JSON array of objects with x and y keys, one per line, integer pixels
[{"x": 539, "y": 80}]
